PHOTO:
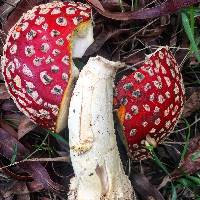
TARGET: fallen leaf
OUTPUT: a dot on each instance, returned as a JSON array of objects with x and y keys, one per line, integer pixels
[
  {"x": 97, "y": 4},
  {"x": 114, "y": 5},
  {"x": 35, "y": 169},
  {"x": 165, "y": 8},
  {"x": 192, "y": 104},
  {"x": 104, "y": 36},
  {"x": 13, "y": 119},
  {"x": 145, "y": 189},
  {"x": 13, "y": 16},
  {"x": 7, "y": 7},
  {"x": 4, "y": 92},
  {"x": 191, "y": 162},
  {"x": 25, "y": 126},
  {"x": 34, "y": 186},
  {"x": 8, "y": 105},
  {"x": 19, "y": 188},
  {"x": 8, "y": 128}
]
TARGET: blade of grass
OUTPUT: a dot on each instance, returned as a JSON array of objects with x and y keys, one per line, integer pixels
[
  {"x": 58, "y": 137},
  {"x": 160, "y": 164},
  {"x": 192, "y": 19},
  {"x": 190, "y": 35},
  {"x": 195, "y": 179},
  {"x": 185, "y": 148},
  {"x": 174, "y": 193},
  {"x": 195, "y": 156},
  {"x": 156, "y": 159},
  {"x": 14, "y": 156}
]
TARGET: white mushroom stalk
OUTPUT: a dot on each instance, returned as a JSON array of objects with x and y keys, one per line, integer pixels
[{"x": 99, "y": 173}]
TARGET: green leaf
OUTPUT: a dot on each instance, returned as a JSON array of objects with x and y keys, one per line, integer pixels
[
  {"x": 195, "y": 156},
  {"x": 58, "y": 137},
  {"x": 186, "y": 183},
  {"x": 185, "y": 148},
  {"x": 190, "y": 35},
  {"x": 158, "y": 162},
  {"x": 195, "y": 179},
  {"x": 14, "y": 156},
  {"x": 174, "y": 194},
  {"x": 192, "y": 19}
]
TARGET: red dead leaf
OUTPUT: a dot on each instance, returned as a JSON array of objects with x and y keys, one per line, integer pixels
[
  {"x": 193, "y": 102},
  {"x": 25, "y": 126},
  {"x": 145, "y": 189},
  {"x": 189, "y": 165},
  {"x": 8, "y": 128},
  {"x": 7, "y": 7},
  {"x": 102, "y": 38},
  {"x": 8, "y": 105},
  {"x": 4, "y": 92},
  {"x": 164, "y": 8},
  {"x": 97, "y": 4},
  {"x": 35, "y": 169},
  {"x": 20, "y": 8}
]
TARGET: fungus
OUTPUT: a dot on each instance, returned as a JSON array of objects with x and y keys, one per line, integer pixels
[
  {"x": 37, "y": 60},
  {"x": 94, "y": 154},
  {"x": 149, "y": 102}
]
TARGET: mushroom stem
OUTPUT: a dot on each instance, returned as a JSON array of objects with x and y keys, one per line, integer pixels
[{"x": 95, "y": 158}]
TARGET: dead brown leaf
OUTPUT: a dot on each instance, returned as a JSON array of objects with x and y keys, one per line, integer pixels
[
  {"x": 8, "y": 105},
  {"x": 13, "y": 119},
  {"x": 19, "y": 189},
  {"x": 97, "y": 4},
  {"x": 145, "y": 189},
  {"x": 114, "y": 5},
  {"x": 192, "y": 104},
  {"x": 13, "y": 16},
  {"x": 191, "y": 162},
  {"x": 35, "y": 169},
  {"x": 4, "y": 92},
  {"x": 7, "y": 7},
  {"x": 165, "y": 8},
  {"x": 8, "y": 128},
  {"x": 104, "y": 36},
  {"x": 34, "y": 186},
  {"x": 25, "y": 126}
]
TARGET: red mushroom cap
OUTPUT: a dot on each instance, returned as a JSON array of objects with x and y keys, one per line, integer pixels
[
  {"x": 37, "y": 60},
  {"x": 150, "y": 102}
]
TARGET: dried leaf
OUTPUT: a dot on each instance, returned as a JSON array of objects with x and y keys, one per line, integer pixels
[
  {"x": 97, "y": 4},
  {"x": 20, "y": 8},
  {"x": 191, "y": 162},
  {"x": 34, "y": 186},
  {"x": 145, "y": 189},
  {"x": 35, "y": 169},
  {"x": 8, "y": 105},
  {"x": 193, "y": 102},
  {"x": 4, "y": 92},
  {"x": 165, "y": 8},
  {"x": 25, "y": 126},
  {"x": 8, "y": 128},
  {"x": 104, "y": 36},
  {"x": 114, "y": 5},
  {"x": 13, "y": 119},
  {"x": 18, "y": 189},
  {"x": 7, "y": 7}
]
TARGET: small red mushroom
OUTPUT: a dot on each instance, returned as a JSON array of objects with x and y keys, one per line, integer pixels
[
  {"x": 37, "y": 59},
  {"x": 150, "y": 102}
]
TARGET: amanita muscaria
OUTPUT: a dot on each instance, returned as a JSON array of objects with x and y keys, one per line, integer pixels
[
  {"x": 37, "y": 60},
  {"x": 99, "y": 173},
  {"x": 149, "y": 102}
]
